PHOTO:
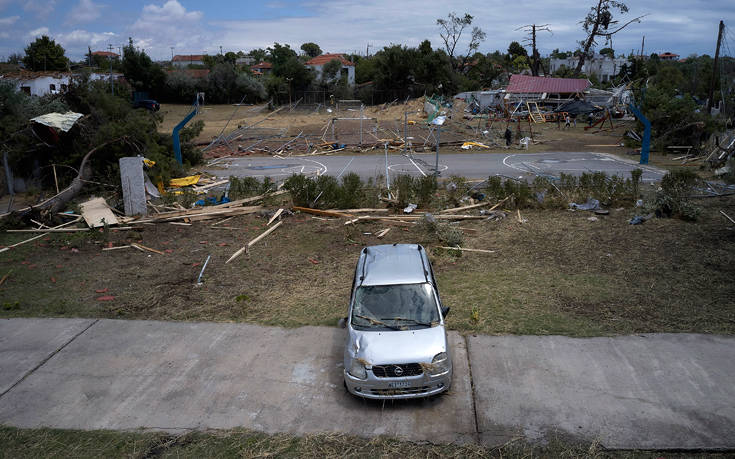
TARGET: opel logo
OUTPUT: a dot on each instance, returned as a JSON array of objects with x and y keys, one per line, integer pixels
[{"x": 398, "y": 370}]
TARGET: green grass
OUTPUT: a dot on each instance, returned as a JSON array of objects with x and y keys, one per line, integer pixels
[{"x": 32, "y": 443}]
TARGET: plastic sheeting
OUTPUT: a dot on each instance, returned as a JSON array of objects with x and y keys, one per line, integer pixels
[{"x": 61, "y": 121}]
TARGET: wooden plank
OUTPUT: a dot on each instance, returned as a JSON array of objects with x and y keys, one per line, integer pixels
[
  {"x": 382, "y": 233},
  {"x": 275, "y": 216},
  {"x": 467, "y": 250},
  {"x": 95, "y": 211},
  {"x": 117, "y": 248},
  {"x": 324, "y": 213},
  {"x": 264, "y": 234},
  {"x": 40, "y": 235},
  {"x": 360, "y": 211},
  {"x": 141, "y": 246},
  {"x": 473, "y": 206},
  {"x": 727, "y": 216}
]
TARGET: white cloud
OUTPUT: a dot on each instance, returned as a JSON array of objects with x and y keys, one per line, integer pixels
[
  {"x": 160, "y": 27},
  {"x": 84, "y": 11},
  {"x": 41, "y": 8},
  {"x": 6, "y": 22},
  {"x": 37, "y": 32},
  {"x": 77, "y": 39}
]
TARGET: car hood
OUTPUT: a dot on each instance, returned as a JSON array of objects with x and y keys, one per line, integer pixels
[{"x": 405, "y": 346}]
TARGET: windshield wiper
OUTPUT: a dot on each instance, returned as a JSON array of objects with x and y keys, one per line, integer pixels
[
  {"x": 375, "y": 321},
  {"x": 417, "y": 322}
]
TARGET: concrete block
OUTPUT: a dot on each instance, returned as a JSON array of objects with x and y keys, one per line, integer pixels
[{"x": 133, "y": 185}]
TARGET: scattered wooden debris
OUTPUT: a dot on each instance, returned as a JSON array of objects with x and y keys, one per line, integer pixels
[
  {"x": 474, "y": 206},
  {"x": 324, "y": 213},
  {"x": 254, "y": 241},
  {"x": 117, "y": 248},
  {"x": 61, "y": 230},
  {"x": 382, "y": 233},
  {"x": 142, "y": 247},
  {"x": 520, "y": 219},
  {"x": 727, "y": 216},
  {"x": 467, "y": 250},
  {"x": 40, "y": 235},
  {"x": 275, "y": 216}
]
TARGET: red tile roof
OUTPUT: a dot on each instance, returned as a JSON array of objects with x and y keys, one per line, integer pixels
[
  {"x": 188, "y": 57},
  {"x": 262, "y": 65},
  {"x": 532, "y": 84},
  {"x": 667, "y": 54},
  {"x": 105, "y": 54},
  {"x": 324, "y": 58}
]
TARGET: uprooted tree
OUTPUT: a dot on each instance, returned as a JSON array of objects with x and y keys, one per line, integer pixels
[{"x": 599, "y": 23}]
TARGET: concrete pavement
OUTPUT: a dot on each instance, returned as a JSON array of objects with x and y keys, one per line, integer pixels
[
  {"x": 647, "y": 391},
  {"x": 470, "y": 165}
]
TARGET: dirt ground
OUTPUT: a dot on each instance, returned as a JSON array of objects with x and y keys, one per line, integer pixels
[
  {"x": 388, "y": 124},
  {"x": 559, "y": 273}
]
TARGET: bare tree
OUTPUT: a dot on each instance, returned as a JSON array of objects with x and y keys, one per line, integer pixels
[
  {"x": 531, "y": 41},
  {"x": 451, "y": 30},
  {"x": 599, "y": 23}
]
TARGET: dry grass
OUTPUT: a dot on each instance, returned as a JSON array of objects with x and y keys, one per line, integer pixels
[
  {"x": 32, "y": 443},
  {"x": 557, "y": 274}
]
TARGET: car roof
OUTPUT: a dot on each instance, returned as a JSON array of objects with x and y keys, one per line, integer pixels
[{"x": 393, "y": 264}]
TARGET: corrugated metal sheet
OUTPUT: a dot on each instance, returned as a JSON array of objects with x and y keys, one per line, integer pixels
[{"x": 532, "y": 84}]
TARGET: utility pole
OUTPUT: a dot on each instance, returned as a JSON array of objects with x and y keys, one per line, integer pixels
[
  {"x": 112, "y": 82},
  {"x": 367, "y": 51},
  {"x": 172, "y": 55},
  {"x": 710, "y": 94},
  {"x": 220, "y": 50},
  {"x": 643, "y": 42}
]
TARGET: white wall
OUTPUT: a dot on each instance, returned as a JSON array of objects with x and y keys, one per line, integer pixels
[
  {"x": 350, "y": 72},
  {"x": 41, "y": 86}
]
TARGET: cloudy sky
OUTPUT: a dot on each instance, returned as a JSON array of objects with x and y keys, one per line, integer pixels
[{"x": 680, "y": 26}]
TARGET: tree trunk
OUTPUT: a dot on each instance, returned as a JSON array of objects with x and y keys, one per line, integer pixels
[{"x": 56, "y": 203}]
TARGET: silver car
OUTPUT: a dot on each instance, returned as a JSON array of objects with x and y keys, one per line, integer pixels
[{"x": 396, "y": 343}]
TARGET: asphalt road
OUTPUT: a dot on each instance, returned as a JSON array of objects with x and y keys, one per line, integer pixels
[
  {"x": 470, "y": 165},
  {"x": 658, "y": 391}
]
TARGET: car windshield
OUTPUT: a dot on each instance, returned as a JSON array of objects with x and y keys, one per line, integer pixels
[{"x": 397, "y": 307}]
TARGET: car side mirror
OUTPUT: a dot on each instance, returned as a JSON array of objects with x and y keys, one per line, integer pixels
[
  {"x": 445, "y": 311},
  {"x": 342, "y": 323}
]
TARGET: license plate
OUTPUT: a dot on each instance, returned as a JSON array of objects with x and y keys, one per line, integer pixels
[{"x": 398, "y": 384}]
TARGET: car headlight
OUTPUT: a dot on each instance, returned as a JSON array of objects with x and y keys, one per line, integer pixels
[
  {"x": 357, "y": 369},
  {"x": 440, "y": 364}
]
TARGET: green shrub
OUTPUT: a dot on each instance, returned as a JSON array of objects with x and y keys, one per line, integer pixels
[
  {"x": 424, "y": 188},
  {"x": 450, "y": 234},
  {"x": 673, "y": 199},
  {"x": 244, "y": 187},
  {"x": 403, "y": 189},
  {"x": 350, "y": 194}
]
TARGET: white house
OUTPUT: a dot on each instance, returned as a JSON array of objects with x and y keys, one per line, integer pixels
[
  {"x": 43, "y": 83},
  {"x": 603, "y": 67},
  {"x": 346, "y": 71},
  {"x": 183, "y": 60}
]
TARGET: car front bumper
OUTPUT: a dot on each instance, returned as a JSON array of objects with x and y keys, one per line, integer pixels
[{"x": 386, "y": 388}]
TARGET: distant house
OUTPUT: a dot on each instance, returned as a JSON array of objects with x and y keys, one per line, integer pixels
[
  {"x": 603, "y": 67},
  {"x": 43, "y": 83},
  {"x": 247, "y": 60},
  {"x": 106, "y": 54},
  {"x": 526, "y": 86},
  {"x": 263, "y": 68},
  {"x": 346, "y": 71},
  {"x": 184, "y": 60},
  {"x": 667, "y": 56}
]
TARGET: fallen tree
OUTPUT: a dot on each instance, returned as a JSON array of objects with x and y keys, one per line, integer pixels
[{"x": 57, "y": 202}]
